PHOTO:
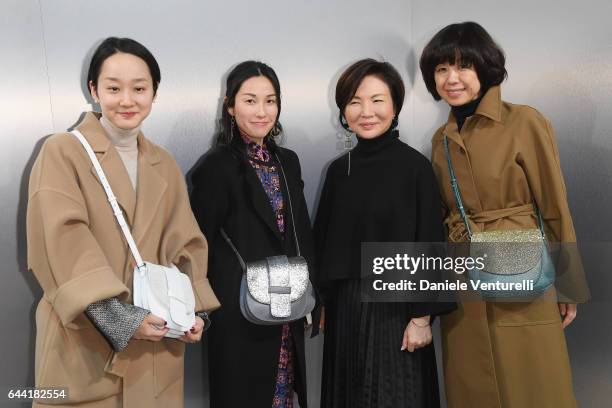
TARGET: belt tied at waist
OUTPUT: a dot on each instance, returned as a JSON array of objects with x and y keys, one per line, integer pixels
[{"x": 456, "y": 226}]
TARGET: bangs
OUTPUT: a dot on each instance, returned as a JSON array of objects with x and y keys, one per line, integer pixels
[{"x": 455, "y": 52}]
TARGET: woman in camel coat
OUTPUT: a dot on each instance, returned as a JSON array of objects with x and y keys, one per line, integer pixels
[
  {"x": 501, "y": 354},
  {"x": 78, "y": 254}
]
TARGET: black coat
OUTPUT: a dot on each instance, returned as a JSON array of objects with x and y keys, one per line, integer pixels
[{"x": 226, "y": 193}]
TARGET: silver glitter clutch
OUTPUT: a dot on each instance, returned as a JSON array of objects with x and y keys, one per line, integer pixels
[{"x": 275, "y": 290}]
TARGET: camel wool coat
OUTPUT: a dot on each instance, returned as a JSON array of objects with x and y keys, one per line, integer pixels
[
  {"x": 503, "y": 354},
  {"x": 78, "y": 254}
]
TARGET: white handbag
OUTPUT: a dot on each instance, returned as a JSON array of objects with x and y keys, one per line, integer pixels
[{"x": 164, "y": 290}]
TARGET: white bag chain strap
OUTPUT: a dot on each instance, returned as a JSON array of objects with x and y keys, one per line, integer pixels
[{"x": 113, "y": 202}]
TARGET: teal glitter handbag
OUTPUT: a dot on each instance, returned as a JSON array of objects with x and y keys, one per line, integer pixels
[{"x": 516, "y": 263}]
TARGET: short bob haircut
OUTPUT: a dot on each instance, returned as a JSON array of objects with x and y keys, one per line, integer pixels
[
  {"x": 351, "y": 79},
  {"x": 114, "y": 45},
  {"x": 466, "y": 44},
  {"x": 237, "y": 76}
]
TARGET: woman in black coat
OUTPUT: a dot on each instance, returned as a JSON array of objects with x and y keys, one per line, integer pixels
[
  {"x": 376, "y": 354},
  {"x": 238, "y": 186}
]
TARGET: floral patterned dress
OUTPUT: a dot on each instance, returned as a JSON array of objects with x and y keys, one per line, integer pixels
[{"x": 267, "y": 172}]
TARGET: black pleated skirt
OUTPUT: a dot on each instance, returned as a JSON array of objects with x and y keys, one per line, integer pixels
[{"x": 363, "y": 366}]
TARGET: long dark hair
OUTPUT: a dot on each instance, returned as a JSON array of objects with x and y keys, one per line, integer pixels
[{"x": 235, "y": 79}]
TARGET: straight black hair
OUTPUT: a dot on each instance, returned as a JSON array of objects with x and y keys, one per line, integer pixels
[
  {"x": 114, "y": 45},
  {"x": 468, "y": 44},
  {"x": 351, "y": 79},
  {"x": 235, "y": 79}
]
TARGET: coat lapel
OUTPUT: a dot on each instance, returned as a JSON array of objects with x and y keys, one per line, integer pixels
[
  {"x": 260, "y": 200},
  {"x": 289, "y": 243},
  {"x": 488, "y": 109},
  {"x": 111, "y": 163},
  {"x": 150, "y": 188},
  {"x": 452, "y": 131},
  {"x": 255, "y": 191}
]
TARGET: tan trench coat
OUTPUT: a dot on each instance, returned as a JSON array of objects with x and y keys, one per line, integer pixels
[
  {"x": 510, "y": 355},
  {"x": 78, "y": 254}
]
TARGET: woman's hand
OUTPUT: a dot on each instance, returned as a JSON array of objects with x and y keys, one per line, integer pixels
[
  {"x": 152, "y": 328},
  {"x": 417, "y": 334},
  {"x": 195, "y": 334},
  {"x": 568, "y": 313}
]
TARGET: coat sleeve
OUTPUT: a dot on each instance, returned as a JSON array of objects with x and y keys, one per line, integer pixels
[
  {"x": 117, "y": 321},
  {"x": 209, "y": 194},
  {"x": 63, "y": 254},
  {"x": 321, "y": 225},
  {"x": 539, "y": 158},
  {"x": 184, "y": 238},
  {"x": 304, "y": 227},
  {"x": 304, "y": 230},
  {"x": 429, "y": 232}
]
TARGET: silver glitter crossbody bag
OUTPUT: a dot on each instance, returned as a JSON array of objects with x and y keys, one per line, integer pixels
[
  {"x": 275, "y": 290},
  {"x": 516, "y": 263},
  {"x": 163, "y": 290}
]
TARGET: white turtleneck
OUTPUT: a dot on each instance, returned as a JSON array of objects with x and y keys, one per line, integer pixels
[{"x": 126, "y": 144}]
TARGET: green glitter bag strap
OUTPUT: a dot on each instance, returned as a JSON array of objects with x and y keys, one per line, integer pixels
[{"x": 455, "y": 187}]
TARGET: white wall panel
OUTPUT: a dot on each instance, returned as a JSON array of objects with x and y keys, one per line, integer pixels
[
  {"x": 26, "y": 117},
  {"x": 559, "y": 61}
]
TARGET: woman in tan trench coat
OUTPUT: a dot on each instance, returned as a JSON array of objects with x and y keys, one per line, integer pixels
[
  {"x": 90, "y": 340},
  {"x": 501, "y": 354}
]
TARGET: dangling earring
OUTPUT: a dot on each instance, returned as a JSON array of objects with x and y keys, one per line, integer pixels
[
  {"x": 348, "y": 134},
  {"x": 394, "y": 122},
  {"x": 348, "y": 140},
  {"x": 276, "y": 130},
  {"x": 232, "y": 126}
]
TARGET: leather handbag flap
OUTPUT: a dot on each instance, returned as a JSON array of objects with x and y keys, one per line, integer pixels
[
  {"x": 260, "y": 286},
  {"x": 180, "y": 294},
  {"x": 167, "y": 293},
  {"x": 507, "y": 252}
]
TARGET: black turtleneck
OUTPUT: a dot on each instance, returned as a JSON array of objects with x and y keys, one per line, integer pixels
[
  {"x": 367, "y": 146},
  {"x": 464, "y": 111}
]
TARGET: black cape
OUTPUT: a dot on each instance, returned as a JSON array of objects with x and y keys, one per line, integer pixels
[{"x": 383, "y": 191}]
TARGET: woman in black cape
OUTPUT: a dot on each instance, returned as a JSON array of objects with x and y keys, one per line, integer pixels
[{"x": 376, "y": 354}]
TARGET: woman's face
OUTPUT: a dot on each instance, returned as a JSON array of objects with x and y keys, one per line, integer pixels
[
  {"x": 124, "y": 90},
  {"x": 457, "y": 84},
  {"x": 370, "y": 113},
  {"x": 255, "y": 108}
]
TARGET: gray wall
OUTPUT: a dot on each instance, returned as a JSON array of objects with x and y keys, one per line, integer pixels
[{"x": 559, "y": 60}]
